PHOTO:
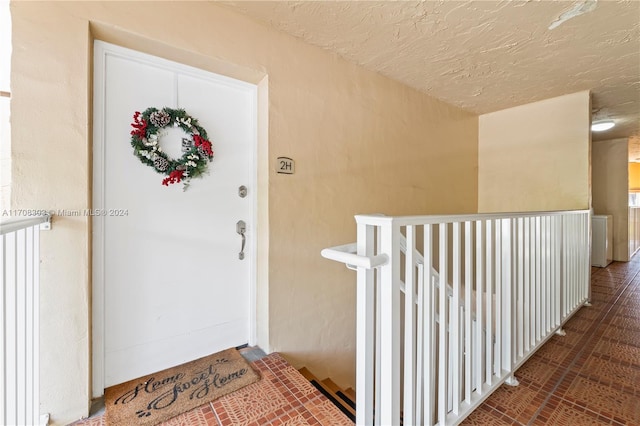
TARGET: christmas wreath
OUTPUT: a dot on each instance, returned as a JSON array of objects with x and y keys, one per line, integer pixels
[{"x": 197, "y": 150}]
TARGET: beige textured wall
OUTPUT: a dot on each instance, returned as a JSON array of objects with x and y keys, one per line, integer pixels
[
  {"x": 610, "y": 176},
  {"x": 362, "y": 144},
  {"x": 536, "y": 157}
]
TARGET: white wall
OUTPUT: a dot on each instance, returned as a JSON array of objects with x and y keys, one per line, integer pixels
[
  {"x": 536, "y": 157},
  {"x": 5, "y": 125}
]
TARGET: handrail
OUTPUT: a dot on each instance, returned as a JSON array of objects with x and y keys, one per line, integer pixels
[
  {"x": 346, "y": 254},
  {"x": 17, "y": 223},
  {"x": 377, "y": 219},
  {"x": 460, "y": 303}
]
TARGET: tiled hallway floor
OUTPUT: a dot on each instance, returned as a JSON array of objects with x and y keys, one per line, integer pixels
[
  {"x": 283, "y": 397},
  {"x": 589, "y": 377}
]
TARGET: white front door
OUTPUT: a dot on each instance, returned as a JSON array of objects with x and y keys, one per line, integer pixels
[{"x": 169, "y": 284}]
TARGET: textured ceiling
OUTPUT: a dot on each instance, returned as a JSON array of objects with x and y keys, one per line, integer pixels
[{"x": 482, "y": 56}]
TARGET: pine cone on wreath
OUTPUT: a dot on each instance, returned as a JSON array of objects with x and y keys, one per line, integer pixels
[
  {"x": 161, "y": 164},
  {"x": 202, "y": 153},
  {"x": 159, "y": 118}
]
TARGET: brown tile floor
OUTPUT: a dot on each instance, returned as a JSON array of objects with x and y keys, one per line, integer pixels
[
  {"x": 589, "y": 377},
  {"x": 283, "y": 397}
]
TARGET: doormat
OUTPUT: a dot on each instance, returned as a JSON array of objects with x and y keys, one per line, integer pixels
[{"x": 157, "y": 397}]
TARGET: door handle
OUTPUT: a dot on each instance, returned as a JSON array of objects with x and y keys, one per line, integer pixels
[{"x": 241, "y": 228}]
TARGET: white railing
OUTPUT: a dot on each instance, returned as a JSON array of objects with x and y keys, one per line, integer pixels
[
  {"x": 19, "y": 313},
  {"x": 510, "y": 282}
]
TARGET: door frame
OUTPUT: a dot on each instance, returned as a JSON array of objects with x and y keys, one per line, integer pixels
[{"x": 101, "y": 50}]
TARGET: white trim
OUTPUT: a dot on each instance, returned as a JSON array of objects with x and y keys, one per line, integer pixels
[
  {"x": 97, "y": 224},
  {"x": 253, "y": 194},
  {"x": 101, "y": 50}
]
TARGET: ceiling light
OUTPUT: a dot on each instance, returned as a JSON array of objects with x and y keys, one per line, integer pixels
[{"x": 601, "y": 126}]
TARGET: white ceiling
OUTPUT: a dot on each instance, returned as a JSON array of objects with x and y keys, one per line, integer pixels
[{"x": 482, "y": 56}]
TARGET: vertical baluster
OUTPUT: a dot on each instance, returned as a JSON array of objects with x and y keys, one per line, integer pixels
[
  {"x": 586, "y": 256},
  {"x": 507, "y": 294},
  {"x": 4, "y": 258},
  {"x": 581, "y": 247},
  {"x": 553, "y": 255},
  {"x": 366, "y": 332},
  {"x": 539, "y": 246},
  {"x": 545, "y": 271},
  {"x": 499, "y": 323},
  {"x": 478, "y": 353},
  {"x": 421, "y": 327},
  {"x": 524, "y": 301},
  {"x": 443, "y": 371},
  {"x": 409, "y": 328},
  {"x": 533, "y": 281},
  {"x": 548, "y": 299},
  {"x": 490, "y": 329},
  {"x": 528, "y": 307},
  {"x": 578, "y": 243},
  {"x": 581, "y": 244},
  {"x": 468, "y": 331},
  {"x": 559, "y": 278},
  {"x": 572, "y": 264},
  {"x": 554, "y": 300},
  {"x": 33, "y": 265},
  {"x": 28, "y": 315},
  {"x": 36, "y": 324},
  {"x": 566, "y": 267},
  {"x": 378, "y": 344},
  {"x": 517, "y": 292},
  {"x": 572, "y": 267},
  {"x": 20, "y": 326},
  {"x": 429, "y": 336},
  {"x": 578, "y": 240},
  {"x": 455, "y": 329},
  {"x": 10, "y": 329},
  {"x": 530, "y": 287}
]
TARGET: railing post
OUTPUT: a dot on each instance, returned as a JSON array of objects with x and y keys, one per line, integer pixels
[
  {"x": 508, "y": 340},
  {"x": 389, "y": 333},
  {"x": 365, "y": 332}
]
